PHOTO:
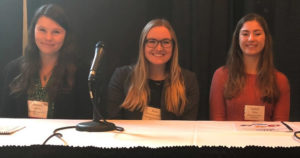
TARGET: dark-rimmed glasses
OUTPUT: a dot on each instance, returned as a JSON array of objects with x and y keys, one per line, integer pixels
[{"x": 165, "y": 43}]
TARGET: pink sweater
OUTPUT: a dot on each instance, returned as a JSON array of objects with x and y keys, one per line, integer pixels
[{"x": 233, "y": 109}]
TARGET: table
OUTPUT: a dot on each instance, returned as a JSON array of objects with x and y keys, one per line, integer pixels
[
  {"x": 148, "y": 133},
  {"x": 148, "y": 136}
]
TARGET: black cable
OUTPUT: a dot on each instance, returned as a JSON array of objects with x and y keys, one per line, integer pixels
[
  {"x": 297, "y": 134},
  {"x": 58, "y": 135},
  {"x": 287, "y": 126},
  {"x": 120, "y": 129}
]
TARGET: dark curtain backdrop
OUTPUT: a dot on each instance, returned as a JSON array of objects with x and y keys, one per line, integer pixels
[
  {"x": 10, "y": 31},
  {"x": 203, "y": 27}
]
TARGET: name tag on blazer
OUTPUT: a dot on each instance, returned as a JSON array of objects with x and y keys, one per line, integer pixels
[
  {"x": 151, "y": 113},
  {"x": 37, "y": 109},
  {"x": 254, "y": 113}
]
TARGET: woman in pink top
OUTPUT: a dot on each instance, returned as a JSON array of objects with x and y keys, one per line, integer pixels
[{"x": 249, "y": 87}]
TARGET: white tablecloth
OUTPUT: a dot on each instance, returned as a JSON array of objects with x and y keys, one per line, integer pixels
[{"x": 148, "y": 134}]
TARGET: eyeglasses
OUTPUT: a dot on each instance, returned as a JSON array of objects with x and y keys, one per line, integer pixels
[{"x": 165, "y": 43}]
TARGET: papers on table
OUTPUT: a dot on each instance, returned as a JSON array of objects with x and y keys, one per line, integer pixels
[
  {"x": 263, "y": 126},
  {"x": 7, "y": 129}
]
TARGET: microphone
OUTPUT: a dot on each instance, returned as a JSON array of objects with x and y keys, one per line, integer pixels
[
  {"x": 98, "y": 55},
  {"x": 96, "y": 125}
]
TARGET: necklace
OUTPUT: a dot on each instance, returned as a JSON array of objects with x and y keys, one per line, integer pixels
[
  {"x": 45, "y": 77},
  {"x": 158, "y": 83}
]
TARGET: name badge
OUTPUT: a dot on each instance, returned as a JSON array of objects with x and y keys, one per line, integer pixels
[
  {"x": 37, "y": 109},
  {"x": 254, "y": 113},
  {"x": 151, "y": 113}
]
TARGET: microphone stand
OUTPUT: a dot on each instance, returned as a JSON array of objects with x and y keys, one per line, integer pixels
[{"x": 96, "y": 125}]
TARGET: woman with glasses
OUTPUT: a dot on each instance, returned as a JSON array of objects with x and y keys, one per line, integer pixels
[
  {"x": 156, "y": 87},
  {"x": 249, "y": 87}
]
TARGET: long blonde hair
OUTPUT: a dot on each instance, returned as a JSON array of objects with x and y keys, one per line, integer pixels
[{"x": 139, "y": 91}]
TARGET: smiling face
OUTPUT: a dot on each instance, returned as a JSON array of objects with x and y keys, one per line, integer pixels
[
  {"x": 49, "y": 36},
  {"x": 252, "y": 38},
  {"x": 162, "y": 52}
]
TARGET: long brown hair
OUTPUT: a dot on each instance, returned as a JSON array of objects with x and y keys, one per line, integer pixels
[
  {"x": 139, "y": 92},
  {"x": 265, "y": 70},
  {"x": 63, "y": 73}
]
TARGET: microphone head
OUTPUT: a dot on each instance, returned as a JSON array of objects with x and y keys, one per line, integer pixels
[{"x": 99, "y": 44}]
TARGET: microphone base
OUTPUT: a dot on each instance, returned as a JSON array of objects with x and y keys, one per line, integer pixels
[{"x": 95, "y": 126}]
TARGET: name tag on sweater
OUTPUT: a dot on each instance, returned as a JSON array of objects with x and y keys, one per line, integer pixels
[
  {"x": 151, "y": 113},
  {"x": 37, "y": 109},
  {"x": 254, "y": 113}
]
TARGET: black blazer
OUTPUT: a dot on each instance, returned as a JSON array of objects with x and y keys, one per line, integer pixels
[
  {"x": 118, "y": 88},
  {"x": 74, "y": 104}
]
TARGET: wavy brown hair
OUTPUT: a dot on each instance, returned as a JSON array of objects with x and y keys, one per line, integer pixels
[
  {"x": 63, "y": 73},
  {"x": 266, "y": 78},
  {"x": 139, "y": 92}
]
